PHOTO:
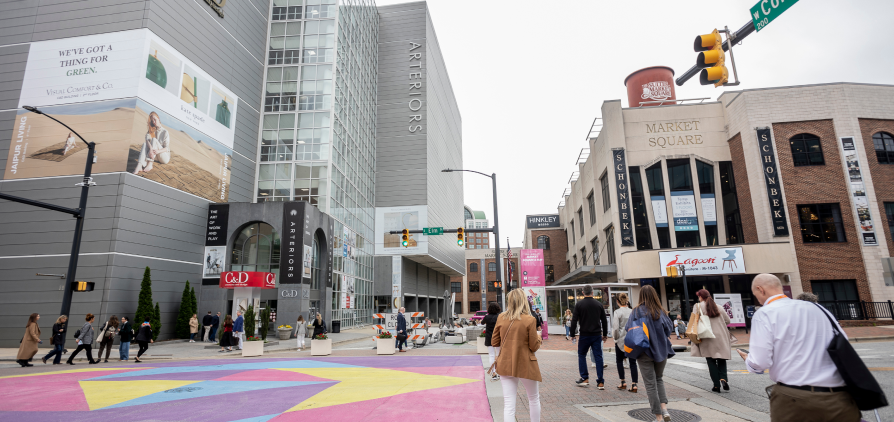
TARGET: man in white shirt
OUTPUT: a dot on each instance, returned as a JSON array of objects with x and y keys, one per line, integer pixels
[{"x": 789, "y": 338}]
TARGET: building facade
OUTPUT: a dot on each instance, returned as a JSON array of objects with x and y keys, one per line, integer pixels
[
  {"x": 211, "y": 140},
  {"x": 761, "y": 181},
  {"x": 478, "y": 287},
  {"x": 476, "y": 220}
]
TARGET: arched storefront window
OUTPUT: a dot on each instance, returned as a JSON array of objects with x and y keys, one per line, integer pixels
[{"x": 256, "y": 248}]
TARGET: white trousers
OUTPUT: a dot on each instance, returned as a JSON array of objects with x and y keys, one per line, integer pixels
[
  {"x": 241, "y": 338},
  {"x": 152, "y": 143},
  {"x": 492, "y": 353},
  {"x": 207, "y": 332},
  {"x": 300, "y": 342},
  {"x": 510, "y": 394}
]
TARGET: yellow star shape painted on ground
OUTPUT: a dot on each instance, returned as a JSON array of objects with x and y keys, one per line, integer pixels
[
  {"x": 360, "y": 384},
  {"x": 101, "y": 394}
]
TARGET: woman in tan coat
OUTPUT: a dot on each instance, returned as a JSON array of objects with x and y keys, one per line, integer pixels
[
  {"x": 715, "y": 350},
  {"x": 517, "y": 337},
  {"x": 28, "y": 348},
  {"x": 193, "y": 328}
]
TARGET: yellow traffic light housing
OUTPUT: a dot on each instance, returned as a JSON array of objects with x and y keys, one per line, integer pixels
[
  {"x": 82, "y": 286},
  {"x": 405, "y": 238},
  {"x": 711, "y": 59},
  {"x": 460, "y": 236}
]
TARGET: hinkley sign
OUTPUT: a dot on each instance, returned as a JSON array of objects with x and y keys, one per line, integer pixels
[{"x": 542, "y": 221}]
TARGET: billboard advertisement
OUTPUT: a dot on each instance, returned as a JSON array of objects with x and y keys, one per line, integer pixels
[
  {"x": 704, "y": 261},
  {"x": 532, "y": 268},
  {"x": 389, "y": 219},
  {"x": 731, "y": 303},
  {"x": 130, "y": 135}
]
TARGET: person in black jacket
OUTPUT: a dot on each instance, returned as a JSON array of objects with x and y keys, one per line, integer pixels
[
  {"x": 490, "y": 321},
  {"x": 590, "y": 314},
  {"x": 401, "y": 337},
  {"x": 215, "y": 323},
  {"x": 57, "y": 340},
  {"x": 206, "y": 323},
  {"x": 144, "y": 337},
  {"x": 126, "y": 335}
]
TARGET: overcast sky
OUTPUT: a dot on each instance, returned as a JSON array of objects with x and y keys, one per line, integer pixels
[{"x": 530, "y": 77}]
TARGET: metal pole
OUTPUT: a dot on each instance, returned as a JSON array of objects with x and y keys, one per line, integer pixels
[
  {"x": 498, "y": 256},
  {"x": 76, "y": 243},
  {"x": 686, "y": 310}
]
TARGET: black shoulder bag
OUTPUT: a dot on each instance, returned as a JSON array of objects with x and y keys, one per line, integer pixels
[{"x": 861, "y": 385}]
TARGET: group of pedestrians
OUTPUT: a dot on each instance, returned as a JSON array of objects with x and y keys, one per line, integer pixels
[
  {"x": 85, "y": 338},
  {"x": 232, "y": 333}
]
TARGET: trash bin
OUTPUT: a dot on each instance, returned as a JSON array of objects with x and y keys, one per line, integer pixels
[{"x": 336, "y": 327}]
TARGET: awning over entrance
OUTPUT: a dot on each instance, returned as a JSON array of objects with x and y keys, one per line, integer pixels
[{"x": 588, "y": 274}]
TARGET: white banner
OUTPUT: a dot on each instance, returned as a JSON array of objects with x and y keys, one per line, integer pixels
[
  {"x": 731, "y": 303},
  {"x": 347, "y": 292},
  {"x": 127, "y": 64},
  {"x": 396, "y": 219},
  {"x": 709, "y": 209},
  {"x": 705, "y": 261},
  {"x": 659, "y": 210},
  {"x": 396, "y": 294}
]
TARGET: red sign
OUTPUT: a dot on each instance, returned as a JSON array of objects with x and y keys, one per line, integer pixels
[{"x": 231, "y": 279}]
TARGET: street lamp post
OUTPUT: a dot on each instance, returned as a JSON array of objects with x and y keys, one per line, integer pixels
[
  {"x": 78, "y": 213},
  {"x": 685, "y": 290},
  {"x": 497, "y": 255}
]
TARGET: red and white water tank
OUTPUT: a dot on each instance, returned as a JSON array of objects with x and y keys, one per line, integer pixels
[{"x": 654, "y": 83}]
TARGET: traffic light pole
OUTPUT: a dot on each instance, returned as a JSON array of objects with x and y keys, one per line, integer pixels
[
  {"x": 78, "y": 213},
  {"x": 734, "y": 38}
]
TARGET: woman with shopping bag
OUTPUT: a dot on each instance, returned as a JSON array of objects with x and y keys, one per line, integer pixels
[
  {"x": 648, "y": 329},
  {"x": 715, "y": 341}
]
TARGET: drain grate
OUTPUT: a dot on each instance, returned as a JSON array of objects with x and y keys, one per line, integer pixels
[{"x": 676, "y": 415}]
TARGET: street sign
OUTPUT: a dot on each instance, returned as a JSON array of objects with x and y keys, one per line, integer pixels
[
  {"x": 765, "y": 11},
  {"x": 432, "y": 231}
]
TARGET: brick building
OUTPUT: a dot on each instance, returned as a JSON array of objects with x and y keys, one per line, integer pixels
[
  {"x": 794, "y": 181},
  {"x": 476, "y": 220},
  {"x": 476, "y": 289}
]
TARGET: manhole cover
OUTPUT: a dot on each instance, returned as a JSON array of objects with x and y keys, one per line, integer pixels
[
  {"x": 183, "y": 390},
  {"x": 676, "y": 415}
]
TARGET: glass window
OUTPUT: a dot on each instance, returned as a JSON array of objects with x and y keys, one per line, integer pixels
[
  {"x": 550, "y": 273},
  {"x": 705, "y": 173},
  {"x": 474, "y": 286},
  {"x": 473, "y": 268},
  {"x": 655, "y": 181},
  {"x": 456, "y": 287},
  {"x": 610, "y": 244},
  {"x": 821, "y": 223},
  {"x": 474, "y": 307},
  {"x": 256, "y": 248},
  {"x": 572, "y": 232},
  {"x": 594, "y": 246},
  {"x": 574, "y": 260},
  {"x": 274, "y": 182},
  {"x": 492, "y": 267},
  {"x": 730, "y": 204},
  {"x": 884, "y": 147},
  {"x": 543, "y": 242},
  {"x": 679, "y": 175},
  {"x": 831, "y": 290},
  {"x": 606, "y": 202},
  {"x": 807, "y": 150},
  {"x": 583, "y": 255},
  {"x": 580, "y": 218},
  {"x": 591, "y": 204},
  {"x": 640, "y": 215}
]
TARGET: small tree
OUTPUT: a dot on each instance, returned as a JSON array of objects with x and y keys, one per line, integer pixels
[
  {"x": 181, "y": 329},
  {"x": 265, "y": 322},
  {"x": 192, "y": 300},
  {"x": 145, "y": 312},
  {"x": 156, "y": 322},
  {"x": 249, "y": 321}
]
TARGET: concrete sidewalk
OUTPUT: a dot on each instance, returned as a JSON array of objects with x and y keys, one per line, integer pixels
[{"x": 183, "y": 349}]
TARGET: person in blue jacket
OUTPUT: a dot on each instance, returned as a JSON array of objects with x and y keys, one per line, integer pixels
[
  {"x": 401, "y": 338},
  {"x": 238, "y": 328},
  {"x": 652, "y": 361}
]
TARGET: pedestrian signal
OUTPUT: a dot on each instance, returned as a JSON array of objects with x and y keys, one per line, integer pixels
[
  {"x": 673, "y": 271},
  {"x": 460, "y": 236},
  {"x": 82, "y": 286},
  {"x": 405, "y": 238},
  {"x": 711, "y": 59}
]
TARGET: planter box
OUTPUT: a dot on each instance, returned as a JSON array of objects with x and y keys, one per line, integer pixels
[
  {"x": 284, "y": 334},
  {"x": 321, "y": 347},
  {"x": 252, "y": 348},
  {"x": 481, "y": 347},
  {"x": 385, "y": 346}
]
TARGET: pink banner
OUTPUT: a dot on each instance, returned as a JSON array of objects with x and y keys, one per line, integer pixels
[{"x": 532, "y": 269}]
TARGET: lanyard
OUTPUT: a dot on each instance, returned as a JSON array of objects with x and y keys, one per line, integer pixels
[{"x": 775, "y": 299}]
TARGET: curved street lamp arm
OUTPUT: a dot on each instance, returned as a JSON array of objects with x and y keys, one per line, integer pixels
[
  {"x": 63, "y": 124},
  {"x": 470, "y": 171}
]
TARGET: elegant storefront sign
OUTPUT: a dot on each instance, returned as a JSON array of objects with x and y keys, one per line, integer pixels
[
  {"x": 685, "y": 216},
  {"x": 704, "y": 261},
  {"x": 659, "y": 210},
  {"x": 232, "y": 279},
  {"x": 216, "y": 229},
  {"x": 291, "y": 261},
  {"x": 771, "y": 178},
  {"x": 625, "y": 215},
  {"x": 542, "y": 221},
  {"x": 858, "y": 192},
  {"x": 532, "y": 269}
]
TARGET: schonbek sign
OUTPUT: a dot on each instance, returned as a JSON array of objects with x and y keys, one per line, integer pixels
[
  {"x": 705, "y": 261},
  {"x": 543, "y": 221},
  {"x": 232, "y": 279}
]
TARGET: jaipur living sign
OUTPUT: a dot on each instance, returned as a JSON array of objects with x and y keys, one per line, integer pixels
[{"x": 771, "y": 178}]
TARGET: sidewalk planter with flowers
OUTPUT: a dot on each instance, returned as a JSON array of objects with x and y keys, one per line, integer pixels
[
  {"x": 481, "y": 347},
  {"x": 385, "y": 343},
  {"x": 252, "y": 346},
  {"x": 321, "y": 345},
  {"x": 284, "y": 332}
]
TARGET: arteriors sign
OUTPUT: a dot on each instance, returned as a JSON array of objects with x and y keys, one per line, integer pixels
[
  {"x": 771, "y": 178},
  {"x": 415, "y": 89},
  {"x": 217, "y": 6},
  {"x": 623, "y": 188}
]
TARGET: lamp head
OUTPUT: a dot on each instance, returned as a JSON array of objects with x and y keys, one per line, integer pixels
[
  {"x": 447, "y": 171},
  {"x": 32, "y": 109}
]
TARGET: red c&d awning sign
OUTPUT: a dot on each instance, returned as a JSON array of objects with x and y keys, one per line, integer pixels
[{"x": 231, "y": 279}]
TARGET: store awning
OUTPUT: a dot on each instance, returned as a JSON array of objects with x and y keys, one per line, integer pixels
[{"x": 588, "y": 274}]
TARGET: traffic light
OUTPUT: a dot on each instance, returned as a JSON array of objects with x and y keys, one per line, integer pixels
[
  {"x": 711, "y": 59},
  {"x": 405, "y": 238},
  {"x": 82, "y": 286},
  {"x": 460, "y": 236}
]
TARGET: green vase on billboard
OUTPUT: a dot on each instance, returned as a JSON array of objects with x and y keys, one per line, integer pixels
[
  {"x": 155, "y": 71},
  {"x": 223, "y": 113}
]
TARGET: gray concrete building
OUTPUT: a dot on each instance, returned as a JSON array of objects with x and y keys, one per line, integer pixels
[{"x": 245, "y": 106}]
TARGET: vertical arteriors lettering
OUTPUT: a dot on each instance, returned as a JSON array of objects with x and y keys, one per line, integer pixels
[
  {"x": 771, "y": 178},
  {"x": 624, "y": 212},
  {"x": 414, "y": 102},
  {"x": 291, "y": 243}
]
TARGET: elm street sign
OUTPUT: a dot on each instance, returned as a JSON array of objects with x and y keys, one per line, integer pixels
[
  {"x": 765, "y": 11},
  {"x": 432, "y": 231}
]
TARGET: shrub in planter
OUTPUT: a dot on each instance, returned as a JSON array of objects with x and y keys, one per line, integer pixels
[
  {"x": 321, "y": 337},
  {"x": 385, "y": 334},
  {"x": 483, "y": 334}
]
